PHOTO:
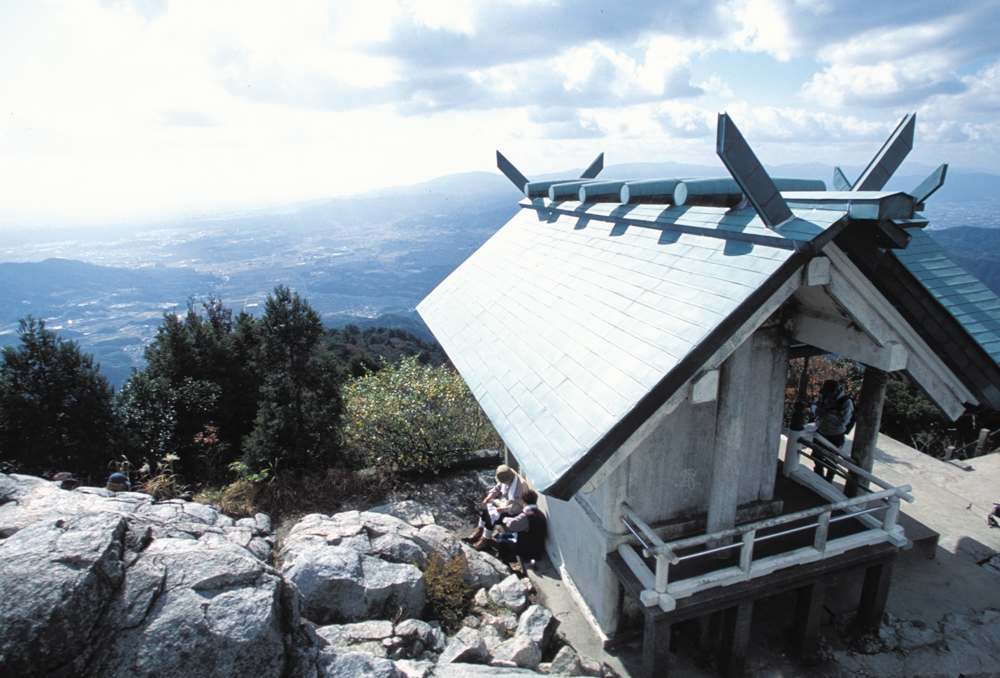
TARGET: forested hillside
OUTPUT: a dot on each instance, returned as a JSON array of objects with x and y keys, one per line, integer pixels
[{"x": 227, "y": 396}]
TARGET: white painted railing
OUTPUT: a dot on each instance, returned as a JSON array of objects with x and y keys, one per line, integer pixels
[{"x": 658, "y": 590}]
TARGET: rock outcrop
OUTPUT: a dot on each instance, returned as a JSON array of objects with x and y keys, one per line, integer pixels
[
  {"x": 104, "y": 584},
  {"x": 356, "y": 565}
]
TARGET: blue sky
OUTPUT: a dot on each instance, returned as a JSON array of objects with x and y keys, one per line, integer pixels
[{"x": 115, "y": 110}]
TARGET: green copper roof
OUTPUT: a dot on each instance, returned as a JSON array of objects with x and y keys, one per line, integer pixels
[{"x": 967, "y": 299}]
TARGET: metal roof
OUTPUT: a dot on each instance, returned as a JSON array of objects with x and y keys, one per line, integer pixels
[
  {"x": 575, "y": 321},
  {"x": 967, "y": 299}
]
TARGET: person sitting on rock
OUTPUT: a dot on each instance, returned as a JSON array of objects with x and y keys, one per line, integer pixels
[
  {"x": 506, "y": 499},
  {"x": 118, "y": 482},
  {"x": 66, "y": 480},
  {"x": 525, "y": 535}
]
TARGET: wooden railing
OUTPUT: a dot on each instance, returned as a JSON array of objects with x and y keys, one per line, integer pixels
[{"x": 659, "y": 590}]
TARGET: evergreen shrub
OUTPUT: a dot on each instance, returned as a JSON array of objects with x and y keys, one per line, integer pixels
[
  {"x": 448, "y": 594},
  {"x": 412, "y": 417}
]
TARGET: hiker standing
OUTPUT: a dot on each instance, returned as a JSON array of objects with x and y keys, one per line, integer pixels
[{"x": 834, "y": 414}]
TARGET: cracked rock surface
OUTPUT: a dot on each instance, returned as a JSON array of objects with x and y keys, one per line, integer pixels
[{"x": 103, "y": 584}]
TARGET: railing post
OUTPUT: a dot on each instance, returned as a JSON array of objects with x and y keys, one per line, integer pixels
[
  {"x": 822, "y": 530},
  {"x": 984, "y": 438},
  {"x": 889, "y": 522},
  {"x": 746, "y": 551},
  {"x": 662, "y": 572},
  {"x": 792, "y": 446}
]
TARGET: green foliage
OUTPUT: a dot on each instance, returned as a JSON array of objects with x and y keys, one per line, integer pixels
[
  {"x": 224, "y": 397},
  {"x": 217, "y": 390},
  {"x": 412, "y": 418},
  {"x": 287, "y": 494},
  {"x": 55, "y": 406},
  {"x": 243, "y": 471},
  {"x": 356, "y": 348},
  {"x": 821, "y": 368},
  {"x": 361, "y": 364},
  {"x": 910, "y": 417},
  {"x": 448, "y": 594},
  {"x": 298, "y": 420},
  {"x": 199, "y": 377},
  {"x": 163, "y": 483},
  {"x": 157, "y": 417}
]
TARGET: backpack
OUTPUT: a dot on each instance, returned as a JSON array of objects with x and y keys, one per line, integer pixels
[{"x": 854, "y": 412}]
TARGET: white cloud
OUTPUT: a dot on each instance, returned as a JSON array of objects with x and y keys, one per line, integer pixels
[
  {"x": 686, "y": 120},
  {"x": 803, "y": 126},
  {"x": 761, "y": 26},
  {"x": 119, "y": 107},
  {"x": 891, "y": 66},
  {"x": 980, "y": 96},
  {"x": 451, "y": 15},
  {"x": 884, "y": 83}
]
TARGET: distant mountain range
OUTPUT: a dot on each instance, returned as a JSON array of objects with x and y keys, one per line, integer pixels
[{"x": 366, "y": 259}]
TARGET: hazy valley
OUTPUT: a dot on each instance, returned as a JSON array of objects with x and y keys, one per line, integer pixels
[{"x": 355, "y": 259}]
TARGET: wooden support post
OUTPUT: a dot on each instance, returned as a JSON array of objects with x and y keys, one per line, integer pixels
[
  {"x": 656, "y": 648},
  {"x": 735, "y": 640},
  {"x": 808, "y": 615},
  {"x": 874, "y": 594},
  {"x": 663, "y": 571},
  {"x": 869, "y": 417},
  {"x": 802, "y": 393},
  {"x": 792, "y": 446},
  {"x": 730, "y": 429}
]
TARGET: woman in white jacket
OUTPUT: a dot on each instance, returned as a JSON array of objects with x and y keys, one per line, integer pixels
[{"x": 505, "y": 500}]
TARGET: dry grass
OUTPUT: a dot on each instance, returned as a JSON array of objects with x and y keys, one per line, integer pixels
[
  {"x": 161, "y": 484},
  {"x": 285, "y": 495}
]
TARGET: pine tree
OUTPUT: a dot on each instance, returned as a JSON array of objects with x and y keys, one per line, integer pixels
[
  {"x": 298, "y": 422},
  {"x": 199, "y": 377},
  {"x": 55, "y": 407}
]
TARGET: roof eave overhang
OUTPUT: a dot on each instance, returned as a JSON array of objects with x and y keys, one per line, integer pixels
[{"x": 943, "y": 333}]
